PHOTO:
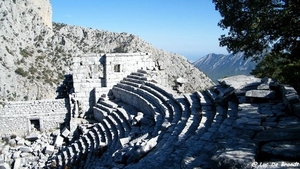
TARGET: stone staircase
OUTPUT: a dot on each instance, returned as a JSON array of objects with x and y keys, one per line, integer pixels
[{"x": 145, "y": 125}]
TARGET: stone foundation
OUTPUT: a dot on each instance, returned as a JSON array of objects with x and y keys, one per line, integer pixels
[{"x": 27, "y": 116}]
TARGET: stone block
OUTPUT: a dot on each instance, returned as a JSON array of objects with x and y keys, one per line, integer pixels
[
  {"x": 291, "y": 98},
  {"x": 124, "y": 141},
  {"x": 25, "y": 149},
  {"x": 239, "y": 81},
  {"x": 58, "y": 141},
  {"x": 17, "y": 163},
  {"x": 296, "y": 109},
  {"x": 287, "y": 90},
  {"x": 65, "y": 132},
  {"x": 33, "y": 137},
  {"x": 4, "y": 166},
  {"x": 49, "y": 149},
  {"x": 265, "y": 94}
]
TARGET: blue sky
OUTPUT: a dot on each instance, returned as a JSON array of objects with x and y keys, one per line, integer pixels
[{"x": 184, "y": 27}]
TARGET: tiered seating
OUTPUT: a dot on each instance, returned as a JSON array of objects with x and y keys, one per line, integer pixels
[
  {"x": 159, "y": 112},
  {"x": 189, "y": 119}
]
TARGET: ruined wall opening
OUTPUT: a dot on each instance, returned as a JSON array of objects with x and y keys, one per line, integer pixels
[
  {"x": 117, "y": 68},
  {"x": 35, "y": 125}
]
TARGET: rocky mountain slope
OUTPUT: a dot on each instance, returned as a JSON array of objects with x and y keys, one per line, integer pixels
[
  {"x": 35, "y": 53},
  {"x": 217, "y": 66}
]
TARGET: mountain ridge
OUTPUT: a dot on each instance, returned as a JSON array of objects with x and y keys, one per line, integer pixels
[{"x": 217, "y": 66}]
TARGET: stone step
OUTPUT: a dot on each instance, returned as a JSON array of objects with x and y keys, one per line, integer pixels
[
  {"x": 105, "y": 108},
  {"x": 181, "y": 127},
  {"x": 98, "y": 129},
  {"x": 137, "y": 81},
  {"x": 65, "y": 157},
  {"x": 111, "y": 128},
  {"x": 153, "y": 96},
  {"x": 135, "y": 100},
  {"x": 60, "y": 161},
  {"x": 131, "y": 83},
  {"x": 70, "y": 154},
  {"x": 107, "y": 134},
  {"x": 165, "y": 101},
  {"x": 161, "y": 89},
  {"x": 211, "y": 94},
  {"x": 204, "y": 99},
  {"x": 119, "y": 124},
  {"x": 142, "y": 71},
  {"x": 147, "y": 95},
  {"x": 93, "y": 141},
  {"x": 124, "y": 117},
  {"x": 137, "y": 77},
  {"x": 108, "y": 103},
  {"x": 138, "y": 74},
  {"x": 99, "y": 114},
  {"x": 194, "y": 118},
  {"x": 232, "y": 109}
]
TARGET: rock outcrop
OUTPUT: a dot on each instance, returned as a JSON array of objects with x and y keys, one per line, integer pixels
[{"x": 35, "y": 55}]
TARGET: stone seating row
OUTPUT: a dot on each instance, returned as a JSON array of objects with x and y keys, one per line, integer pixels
[
  {"x": 163, "y": 103},
  {"x": 156, "y": 102},
  {"x": 176, "y": 134},
  {"x": 72, "y": 154},
  {"x": 107, "y": 133},
  {"x": 166, "y": 100}
]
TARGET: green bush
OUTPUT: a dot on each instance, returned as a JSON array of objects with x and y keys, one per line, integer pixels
[
  {"x": 21, "y": 72},
  {"x": 32, "y": 70},
  {"x": 25, "y": 53}
]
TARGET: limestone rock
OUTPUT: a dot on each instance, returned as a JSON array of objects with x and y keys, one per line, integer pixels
[
  {"x": 58, "y": 141},
  {"x": 25, "y": 149},
  {"x": 49, "y": 149},
  {"x": 264, "y": 94},
  {"x": 33, "y": 137},
  {"x": 240, "y": 81},
  {"x": 23, "y": 39},
  {"x": 4, "y": 166}
]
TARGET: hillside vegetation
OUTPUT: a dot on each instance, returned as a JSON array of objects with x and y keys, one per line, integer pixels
[{"x": 35, "y": 55}]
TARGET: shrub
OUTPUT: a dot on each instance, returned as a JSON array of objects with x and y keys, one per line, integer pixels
[
  {"x": 119, "y": 49},
  {"x": 32, "y": 70},
  {"x": 8, "y": 50},
  {"x": 25, "y": 53},
  {"x": 21, "y": 72}
]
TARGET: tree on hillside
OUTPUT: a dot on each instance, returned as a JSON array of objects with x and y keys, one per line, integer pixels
[{"x": 270, "y": 27}]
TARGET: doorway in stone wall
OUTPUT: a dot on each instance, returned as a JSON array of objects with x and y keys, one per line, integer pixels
[
  {"x": 117, "y": 68},
  {"x": 35, "y": 125}
]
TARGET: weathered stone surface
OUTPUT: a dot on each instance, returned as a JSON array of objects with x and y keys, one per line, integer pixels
[
  {"x": 65, "y": 132},
  {"x": 278, "y": 134},
  {"x": 25, "y": 149},
  {"x": 296, "y": 109},
  {"x": 286, "y": 150},
  {"x": 264, "y": 94},
  {"x": 33, "y": 137},
  {"x": 240, "y": 81},
  {"x": 49, "y": 149},
  {"x": 4, "y": 166},
  {"x": 58, "y": 141},
  {"x": 17, "y": 163}
]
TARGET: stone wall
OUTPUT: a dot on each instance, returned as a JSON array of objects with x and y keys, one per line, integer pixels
[
  {"x": 94, "y": 75},
  {"x": 24, "y": 117}
]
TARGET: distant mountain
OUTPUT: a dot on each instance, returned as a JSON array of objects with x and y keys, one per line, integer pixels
[{"x": 218, "y": 65}]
